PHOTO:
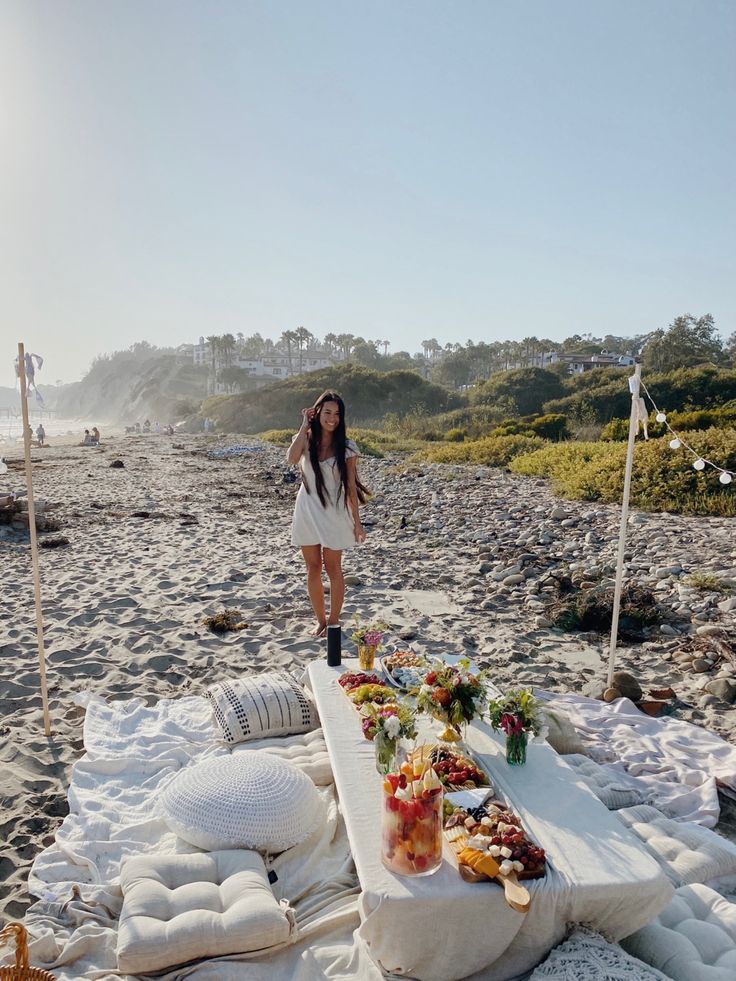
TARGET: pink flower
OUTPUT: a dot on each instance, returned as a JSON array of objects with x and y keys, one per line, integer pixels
[{"x": 511, "y": 724}]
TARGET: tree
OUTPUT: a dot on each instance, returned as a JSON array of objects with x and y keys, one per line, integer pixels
[
  {"x": 686, "y": 342},
  {"x": 214, "y": 342},
  {"x": 730, "y": 348},
  {"x": 288, "y": 338},
  {"x": 330, "y": 342},
  {"x": 303, "y": 339},
  {"x": 385, "y": 345},
  {"x": 527, "y": 388},
  {"x": 227, "y": 346}
]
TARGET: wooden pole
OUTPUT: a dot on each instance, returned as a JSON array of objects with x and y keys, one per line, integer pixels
[
  {"x": 633, "y": 426},
  {"x": 34, "y": 540}
]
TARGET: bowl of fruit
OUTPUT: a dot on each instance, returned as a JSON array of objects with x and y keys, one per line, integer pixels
[
  {"x": 404, "y": 668},
  {"x": 456, "y": 771},
  {"x": 411, "y": 822},
  {"x": 378, "y": 694},
  {"x": 353, "y": 679}
]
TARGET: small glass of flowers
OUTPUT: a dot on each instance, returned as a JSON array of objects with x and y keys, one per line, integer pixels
[
  {"x": 517, "y": 715},
  {"x": 386, "y": 725},
  {"x": 453, "y": 695},
  {"x": 368, "y": 637}
]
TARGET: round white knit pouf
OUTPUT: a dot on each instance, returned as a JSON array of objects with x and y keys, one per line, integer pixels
[{"x": 251, "y": 800}]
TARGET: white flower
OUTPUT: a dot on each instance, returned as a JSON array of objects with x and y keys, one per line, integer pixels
[
  {"x": 426, "y": 690},
  {"x": 392, "y": 726}
]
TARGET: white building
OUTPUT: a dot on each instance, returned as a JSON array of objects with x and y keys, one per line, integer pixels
[{"x": 274, "y": 366}]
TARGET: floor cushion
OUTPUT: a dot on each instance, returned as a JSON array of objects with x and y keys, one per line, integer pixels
[
  {"x": 686, "y": 851},
  {"x": 692, "y": 939},
  {"x": 179, "y": 908},
  {"x": 259, "y": 705},
  {"x": 247, "y": 800},
  {"x": 587, "y": 956},
  {"x": 611, "y": 791}
]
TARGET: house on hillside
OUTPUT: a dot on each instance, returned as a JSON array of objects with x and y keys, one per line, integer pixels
[
  {"x": 271, "y": 367},
  {"x": 578, "y": 364}
]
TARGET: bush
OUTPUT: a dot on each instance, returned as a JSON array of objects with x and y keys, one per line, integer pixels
[
  {"x": 615, "y": 431},
  {"x": 552, "y": 425},
  {"x": 527, "y": 388},
  {"x": 662, "y": 479},
  {"x": 695, "y": 420},
  {"x": 492, "y": 451},
  {"x": 455, "y": 435},
  {"x": 282, "y": 437}
]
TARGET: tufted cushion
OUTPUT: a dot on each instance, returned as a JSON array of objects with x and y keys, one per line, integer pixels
[
  {"x": 587, "y": 956},
  {"x": 610, "y": 791},
  {"x": 692, "y": 939},
  {"x": 249, "y": 800},
  {"x": 178, "y": 908},
  {"x": 260, "y": 705},
  {"x": 687, "y": 852}
]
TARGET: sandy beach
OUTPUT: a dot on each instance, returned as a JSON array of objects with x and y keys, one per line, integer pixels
[{"x": 458, "y": 559}]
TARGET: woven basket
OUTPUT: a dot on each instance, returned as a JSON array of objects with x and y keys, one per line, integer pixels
[{"x": 21, "y": 971}]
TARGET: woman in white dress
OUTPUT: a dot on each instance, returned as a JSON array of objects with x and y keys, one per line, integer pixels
[{"x": 326, "y": 515}]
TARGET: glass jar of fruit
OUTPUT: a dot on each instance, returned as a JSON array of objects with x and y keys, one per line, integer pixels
[{"x": 411, "y": 841}]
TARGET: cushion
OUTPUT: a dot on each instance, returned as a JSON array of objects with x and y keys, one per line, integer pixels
[
  {"x": 692, "y": 939},
  {"x": 250, "y": 800},
  {"x": 260, "y": 705},
  {"x": 587, "y": 956},
  {"x": 561, "y": 735},
  {"x": 687, "y": 852},
  {"x": 178, "y": 908},
  {"x": 609, "y": 789}
]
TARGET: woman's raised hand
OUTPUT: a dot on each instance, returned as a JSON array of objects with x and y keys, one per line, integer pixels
[{"x": 307, "y": 416}]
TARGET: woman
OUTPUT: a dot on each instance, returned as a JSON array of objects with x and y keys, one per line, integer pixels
[{"x": 326, "y": 516}]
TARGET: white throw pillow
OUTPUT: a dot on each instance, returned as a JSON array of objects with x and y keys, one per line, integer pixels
[
  {"x": 250, "y": 800},
  {"x": 260, "y": 705},
  {"x": 587, "y": 956},
  {"x": 179, "y": 908}
]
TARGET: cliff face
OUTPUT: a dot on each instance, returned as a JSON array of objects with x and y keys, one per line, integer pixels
[{"x": 128, "y": 388}]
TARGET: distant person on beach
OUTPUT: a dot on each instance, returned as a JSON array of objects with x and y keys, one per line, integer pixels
[
  {"x": 326, "y": 515},
  {"x": 87, "y": 441},
  {"x": 147, "y": 426},
  {"x": 95, "y": 436},
  {"x": 40, "y": 434}
]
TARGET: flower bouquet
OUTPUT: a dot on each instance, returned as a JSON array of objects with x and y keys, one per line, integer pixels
[
  {"x": 453, "y": 695},
  {"x": 516, "y": 714},
  {"x": 386, "y": 725},
  {"x": 368, "y": 637}
]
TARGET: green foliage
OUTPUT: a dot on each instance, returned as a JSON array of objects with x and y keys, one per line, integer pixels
[
  {"x": 491, "y": 451},
  {"x": 707, "y": 582},
  {"x": 695, "y": 420},
  {"x": 367, "y": 394},
  {"x": 662, "y": 479},
  {"x": 686, "y": 342},
  {"x": 615, "y": 431},
  {"x": 456, "y": 435},
  {"x": 282, "y": 437},
  {"x": 526, "y": 388},
  {"x": 552, "y": 425}
]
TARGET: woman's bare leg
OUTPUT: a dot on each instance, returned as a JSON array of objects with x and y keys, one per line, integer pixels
[
  {"x": 333, "y": 567},
  {"x": 313, "y": 561}
]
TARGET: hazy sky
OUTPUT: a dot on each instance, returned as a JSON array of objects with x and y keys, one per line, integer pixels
[{"x": 397, "y": 170}]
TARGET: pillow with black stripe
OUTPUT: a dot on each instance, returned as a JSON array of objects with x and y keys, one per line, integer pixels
[{"x": 260, "y": 705}]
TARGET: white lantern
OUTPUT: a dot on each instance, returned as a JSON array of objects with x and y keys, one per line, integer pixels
[
  {"x": 725, "y": 477},
  {"x": 699, "y": 464},
  {"x": 675, "y": 444},
  {"x": 660, "y": 417}
]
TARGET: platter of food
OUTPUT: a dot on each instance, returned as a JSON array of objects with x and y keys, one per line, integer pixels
[
  {"x": 456, "y": 770},
  {"x": 404, "y": 668},
  {"x": 495, "y": 831}
]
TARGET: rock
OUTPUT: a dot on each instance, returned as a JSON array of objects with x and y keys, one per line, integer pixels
[
  {"x": 709, "y": 630},
  {"x": 513, "y": 580},
  {"x": 408, "y": 633},
  {"x": 667, "y": 630},
  {"x": 722, "y": 689},
  {"x": 592, "y": 689},
  {"x": 665, "y": 571},
  {"x": 116, "y": 465},
  {"x": 627, "y": 685},
  {"x": 353, "y": 580},
  {"x": 558, "y": 514},
  {"x": 653, "y": 708},
  {"x": 728, "y": 605},
  {"x": 700, "y": 664},
  {"x": 485, "y": 567}
]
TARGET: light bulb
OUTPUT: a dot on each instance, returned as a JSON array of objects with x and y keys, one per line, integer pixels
[
  {"x": 725, "y": 477},
  {"x": 675, "y": 444},
  {"x": 660, "y": 417},
  {"x": 699, "y": 464}
]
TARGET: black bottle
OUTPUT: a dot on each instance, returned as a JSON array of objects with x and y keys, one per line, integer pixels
[{"x": 334, "y": 645}]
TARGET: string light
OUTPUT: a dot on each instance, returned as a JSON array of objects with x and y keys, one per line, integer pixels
[{"x": 700, "y": 463}]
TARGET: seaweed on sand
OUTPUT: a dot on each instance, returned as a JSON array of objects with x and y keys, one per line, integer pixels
[
  {"x": 228, "y": 620},
  {"x": 592, "y": 609}
]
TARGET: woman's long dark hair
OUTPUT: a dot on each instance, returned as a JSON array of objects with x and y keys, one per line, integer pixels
[{"x": 339, "y": 441}]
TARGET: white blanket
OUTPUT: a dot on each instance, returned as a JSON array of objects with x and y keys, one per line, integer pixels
[
  {"x": 133, "y": 751},
  {"x": 679, "y": 764}
]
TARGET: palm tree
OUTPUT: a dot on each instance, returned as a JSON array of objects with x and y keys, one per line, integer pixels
[
  {"x": 345, "y": 342},
  {"x": 385, "y": 345},
  {"x": 303, "y": 340},
  {"x": 214, "y": 342},
  {"x": 289, "y": 337},
  {"x": 330, "y": 342},
  {"x": 227, "y": 343}
]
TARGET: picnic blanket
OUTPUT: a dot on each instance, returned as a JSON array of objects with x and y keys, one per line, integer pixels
[
  {"x": 679, "y": 765},
  {"x": 132, "y": 752}
]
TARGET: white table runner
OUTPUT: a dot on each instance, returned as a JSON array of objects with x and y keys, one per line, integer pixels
[{"x": 440, "y": 928}]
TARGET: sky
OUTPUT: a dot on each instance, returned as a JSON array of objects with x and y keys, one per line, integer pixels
[{"x": 400, "y": 171}]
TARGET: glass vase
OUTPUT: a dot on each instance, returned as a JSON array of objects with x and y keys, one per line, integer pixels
[
  {"x": 411, "y": 834},
  {"x": 516, "y": 748},
  {"x": 385, "y": 749},
  {"x": 366, "y": 656}
]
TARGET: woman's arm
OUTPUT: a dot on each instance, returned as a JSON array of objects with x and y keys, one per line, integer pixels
[
  {"x": 299, "y": 445},
  {"x": 358, "y": 529}
]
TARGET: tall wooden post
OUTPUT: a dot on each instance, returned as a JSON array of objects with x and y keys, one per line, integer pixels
[{"x": 27, "y": 432}]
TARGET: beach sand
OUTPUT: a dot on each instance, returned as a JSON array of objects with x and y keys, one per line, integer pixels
[{"x": 125, "y": 599}]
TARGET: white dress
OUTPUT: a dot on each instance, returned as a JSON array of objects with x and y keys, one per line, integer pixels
[{"x": 331, "y": 526}]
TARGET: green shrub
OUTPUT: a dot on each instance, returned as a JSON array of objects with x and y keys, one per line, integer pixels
[
  {"x": 552, "y": 425},
  {"x": 662, "y": 479},
  {"x": 491, "y": 451},
  {"x": 526, "y": 388},
  {"x": 282, "y": 437},
  {"x": 615, "y": 431},
  {"x": 695, "y": 420},
  {"x": 455, "y": 436}
]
